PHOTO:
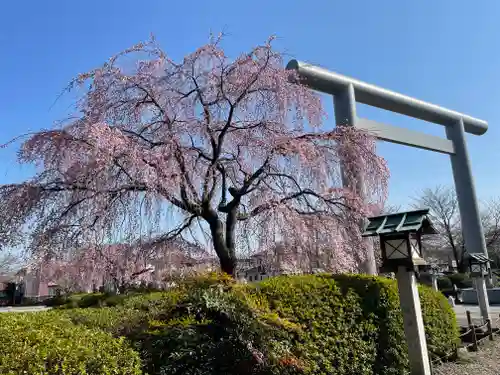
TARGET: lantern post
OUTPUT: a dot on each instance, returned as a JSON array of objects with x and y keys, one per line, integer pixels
[
  {"x": 479, "y": 267},
  {"x": 434, "y": 273},
  {"x": 400, "y": 237}
]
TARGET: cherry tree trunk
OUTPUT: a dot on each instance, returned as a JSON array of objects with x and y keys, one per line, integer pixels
[{"x": 223, "y": 248}]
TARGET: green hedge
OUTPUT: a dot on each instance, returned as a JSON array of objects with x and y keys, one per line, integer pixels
[
  {"x": 444, "y": 283},
  {"x": 104, "y": 300},
  {"x": 461, "y": 280},
  {"x": 342, "y": 324},
  {"x": 46, "y": 343},
  {"x": 85, "y": 300},
  {"x": 355, "y": 322}
]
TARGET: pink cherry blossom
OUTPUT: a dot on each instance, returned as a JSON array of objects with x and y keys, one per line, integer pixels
[
  {"x": 117, "y": 265},
  {"x": 231, "y": 149}
]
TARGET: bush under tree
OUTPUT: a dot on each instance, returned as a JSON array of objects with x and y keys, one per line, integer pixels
[{"x": 344, "y": 324}]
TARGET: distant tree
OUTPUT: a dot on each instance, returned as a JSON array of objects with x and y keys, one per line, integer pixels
[
  {"x": 445, "y": 215},
  {"x": 391, "y": 209},
  {"x": 215, "y": 143},
  {"x": 490, "y": 218}
]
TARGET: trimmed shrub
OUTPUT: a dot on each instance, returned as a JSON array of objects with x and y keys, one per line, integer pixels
[
  {"x": 341, "y": 331},
  {"x": 353, "y": 323},
  {"x": 47, "y": 343},
  {"x": 86, "y": 300},
  {"x": 440, "y": 322},
  {"x": 441, "y": 327},
  {"x": 65, "y": 301},
  {"x": 461, "y": 280},
  {"x": 154, "y": 301},
  {"x": 31, "y": 301},
  {"x": 342, "y": 324},
  {"x": 444, "y": 283},
  {"x": 93, "y": 300}
]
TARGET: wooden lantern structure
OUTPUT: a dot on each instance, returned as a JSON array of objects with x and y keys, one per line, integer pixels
[
  {"x": 400, "y": 237},
  {"x": 478, "y": 264}
]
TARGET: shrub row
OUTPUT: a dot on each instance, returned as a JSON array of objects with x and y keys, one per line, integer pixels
[
  {"x": 446, "y": 282},
  {"x": 461, "y": 280},
  {"x": 342, "y": 324},
  {"x": 84, "y": 300}
]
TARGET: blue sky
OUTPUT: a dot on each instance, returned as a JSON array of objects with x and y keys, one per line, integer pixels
[{"x": 445, "y": 52}]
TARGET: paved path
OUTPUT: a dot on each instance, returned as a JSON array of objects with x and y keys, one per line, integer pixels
[
  {"x": 24, "y": 309},
  {"x": 476, "y": 314}
]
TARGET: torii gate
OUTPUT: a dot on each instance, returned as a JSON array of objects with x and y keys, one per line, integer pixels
[{"x": 347, "y": 91}]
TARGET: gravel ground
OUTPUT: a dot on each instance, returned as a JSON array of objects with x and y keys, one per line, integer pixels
[{"x": 483, "y": 362}]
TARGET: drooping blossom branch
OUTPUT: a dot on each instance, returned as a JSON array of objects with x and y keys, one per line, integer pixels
[{"x": 118, "y": 265}]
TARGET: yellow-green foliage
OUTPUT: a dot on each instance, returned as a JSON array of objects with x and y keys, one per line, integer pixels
[
  {"x": 118, "y": 321},
  {"x": 440, "y": 322},
  {"x": 47, "y": 343},
  {"x": 355, "y": 321},
  {"x": 342, "y": 324}
]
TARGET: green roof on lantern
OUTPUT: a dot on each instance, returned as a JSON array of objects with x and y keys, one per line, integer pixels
[
  {"x": 477, "y": 257},
  {"x": 401, "y": 222}
]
